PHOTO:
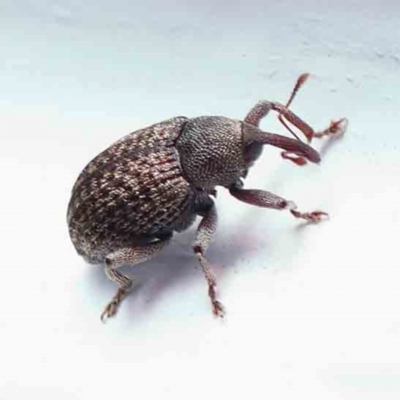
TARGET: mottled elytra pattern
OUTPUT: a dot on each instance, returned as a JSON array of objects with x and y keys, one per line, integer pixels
[
  {"x": 128, "y": 202},
  {"x": 130, "y": 193}
]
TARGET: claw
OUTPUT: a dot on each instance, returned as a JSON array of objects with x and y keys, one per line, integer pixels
[
  {"x": 315, "y": 216},
  {"x": 339, "y": 126},
  {"x": 109, "y": 311},
  {"x": 336, "y": 128},
  {"x": 218, "y": 309},
  {"x": 298, "y": 160}
]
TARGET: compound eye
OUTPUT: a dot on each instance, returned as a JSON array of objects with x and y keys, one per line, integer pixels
[{"x": 252, "y": 152}]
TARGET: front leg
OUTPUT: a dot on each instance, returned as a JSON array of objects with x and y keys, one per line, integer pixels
[
  {"x": 205, "y": 232},
  {"x": 262, "y": 108},
  {"x": 262, "y": 198}
]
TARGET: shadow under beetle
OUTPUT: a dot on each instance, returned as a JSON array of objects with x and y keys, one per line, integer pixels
[{"x": 129, "y": 200}]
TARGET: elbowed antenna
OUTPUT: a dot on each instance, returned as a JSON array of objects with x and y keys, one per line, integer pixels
[
  {"x": 253, "y": 134},
  {"x": 307, "y": 131}
]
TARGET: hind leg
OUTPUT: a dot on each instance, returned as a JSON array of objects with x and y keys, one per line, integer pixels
[{"x": 129, "y": 255}]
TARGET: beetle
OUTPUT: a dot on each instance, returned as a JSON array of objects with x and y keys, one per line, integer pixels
[{"x": 128, "y": 201}]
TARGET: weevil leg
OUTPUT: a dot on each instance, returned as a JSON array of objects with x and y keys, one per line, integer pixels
[
  {"x": 205, "y": 232},
  {"x": 261, "y": 110},
  {"x": 129, "y": 255},
  {"x": 262, "y": 198},
  {"x": 124, "y": 284},
  {"x": 335, "y": 128}
]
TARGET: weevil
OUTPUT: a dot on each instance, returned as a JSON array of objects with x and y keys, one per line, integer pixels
[{"x": 128, "y": 201}]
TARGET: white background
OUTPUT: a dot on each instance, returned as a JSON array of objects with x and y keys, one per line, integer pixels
[{"x": 312, "y": 311}]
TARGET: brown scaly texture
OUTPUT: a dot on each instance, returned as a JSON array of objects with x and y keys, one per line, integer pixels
[
  {"x": 212, "y": 151},
  {"x": 131, "y": 193},
  {"x": 129, "y": 200}
]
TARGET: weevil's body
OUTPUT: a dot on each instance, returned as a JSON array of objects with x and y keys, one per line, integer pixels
[
  {"x": 138, "y": 190},
  {"x": 132, "y": 193},
  {"x": 129, "y": 200}
]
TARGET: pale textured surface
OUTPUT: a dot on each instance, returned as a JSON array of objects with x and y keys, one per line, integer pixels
[{"x": 312, "y": 312}]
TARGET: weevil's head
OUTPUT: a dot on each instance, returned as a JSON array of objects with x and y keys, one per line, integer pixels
[
  {"x": 213, "y": 151},
  {"x": 218, "y": 151}
]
